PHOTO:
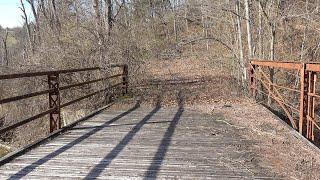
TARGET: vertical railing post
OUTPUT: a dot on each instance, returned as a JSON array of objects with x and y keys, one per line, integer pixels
[
  {"x": 303, "y": 98},
  {"x": 54, "y": 102},
  {"x": 271, "y": 81},
  {"x": 311, "y": 105},
  {"x": 252, "y": 79},
  {"x": 125, "y": 79}
]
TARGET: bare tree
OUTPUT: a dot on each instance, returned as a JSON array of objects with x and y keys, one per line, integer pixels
[
  {"x": 36, "y": 17},
  {"x": 99, "y": 29},
  {"x": 26, "y": 21},
  {"x": 109, "y": 7},
  {"x": 5, "y": 47},
  {"x": 241, "y": 57},
  {"x": 260, "y": 32},
  {"x": 55, "y": 16},
  {"x": 249, "y": 37}
]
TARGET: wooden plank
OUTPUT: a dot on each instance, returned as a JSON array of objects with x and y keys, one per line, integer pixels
[{"x": 132, "y": 151}]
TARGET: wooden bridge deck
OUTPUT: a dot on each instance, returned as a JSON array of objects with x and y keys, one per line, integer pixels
[{"x": 142, "y": 143}]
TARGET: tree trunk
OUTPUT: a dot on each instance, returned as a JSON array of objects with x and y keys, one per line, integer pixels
[
  {"x": 242, "y": 63},
  {"x": 109, "y": 16},
  {"x": 55, "y": 16},
  {"x": 99, "y": 30},
  {"x": 248, "y": 29},
  {"x": 260, "y": 33},
  {"x": 5, "y": 48},
  {"x": 36, "y": 17},
  {"x": 175, "y": 21},
  {"x": 304, "y": 33},
  {"x": 25, "y": 17}
]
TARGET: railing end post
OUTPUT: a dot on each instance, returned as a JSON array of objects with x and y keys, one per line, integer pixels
[
  {"x": 125, "y": 79},
  {"x": 252, "y": 80},
  {"x": 54, "y": 102}
]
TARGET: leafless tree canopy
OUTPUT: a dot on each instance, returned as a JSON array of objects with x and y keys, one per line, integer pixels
[{"x": 61, "y": 34}]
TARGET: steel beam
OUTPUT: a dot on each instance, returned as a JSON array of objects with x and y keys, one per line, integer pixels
[
  {"x": 313, "y": 67},
  {"x": 286, "y": 65}
]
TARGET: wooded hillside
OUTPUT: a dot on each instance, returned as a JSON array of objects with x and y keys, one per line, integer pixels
[{"x": 82, "y": 33}]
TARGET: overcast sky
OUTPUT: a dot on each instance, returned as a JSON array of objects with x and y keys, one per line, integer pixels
[{"x": 10, "y": 14}]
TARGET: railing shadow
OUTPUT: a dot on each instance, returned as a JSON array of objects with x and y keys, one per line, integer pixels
[
  {"x": 160, "y": 155},
  {"x": 118, "y": 125},
  {"x": 105, "y": 162},
  {"x": 28, "y": 169}
]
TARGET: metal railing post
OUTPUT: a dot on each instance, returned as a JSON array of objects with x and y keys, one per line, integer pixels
[
  {"x": 311, "y": 105},
  {"x": 252, "y": 83},
  {"x": 303, "y": 98},
  {"x": 125, "y": 79},
  {"x": 54, "y": 102}
]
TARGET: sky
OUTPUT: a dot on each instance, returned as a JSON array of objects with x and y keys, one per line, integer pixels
[{"x": 10, "y": 14}]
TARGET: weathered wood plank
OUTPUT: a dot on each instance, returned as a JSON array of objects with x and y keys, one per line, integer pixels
[{"x": 163, "y": 143}]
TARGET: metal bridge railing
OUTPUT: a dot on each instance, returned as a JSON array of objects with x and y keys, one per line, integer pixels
[
  {"x": 293, "y": 86},
  {"x": 54, "y": 90}
]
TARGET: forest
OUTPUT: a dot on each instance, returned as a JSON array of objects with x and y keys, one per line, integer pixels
[{"x": 84, "y": 33}]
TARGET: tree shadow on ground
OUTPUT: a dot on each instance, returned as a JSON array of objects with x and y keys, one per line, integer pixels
[
  {"x": 160, "y": 155},
  {"x": 105, "y": 162},
  {"x": 95, "y": 172},
  {"x": 28, "y": 169}
]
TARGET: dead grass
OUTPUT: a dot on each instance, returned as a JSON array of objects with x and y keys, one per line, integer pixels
[
  {"x": 4, "y": 149},
  {"x": 201, "y": 80}
]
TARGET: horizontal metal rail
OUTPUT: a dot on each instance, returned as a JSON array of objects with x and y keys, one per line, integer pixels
[
  {"x": 45, "y": 73},
  {"x": 54, "y": 94},
  {"x": 313, "y": 67},
  {"x": 286, "y": 65},
  {"x": 25, "y": 121},
  {"x": 89, "y": 82},
  {"x": 9, "y": 157},
  {"x": 39, "y": 93},
  {"x": 89, "y": 95},
  {"x": 25, "y": 96}
]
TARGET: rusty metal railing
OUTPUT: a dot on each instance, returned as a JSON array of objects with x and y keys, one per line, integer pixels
[
  {"x": 54, "y": 90},
  {"x": 292, "y": 85}
]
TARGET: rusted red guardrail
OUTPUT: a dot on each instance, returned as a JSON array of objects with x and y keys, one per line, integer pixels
[
  {"x": 298, "y": 101},
  {"x": 54, "y": 90}
]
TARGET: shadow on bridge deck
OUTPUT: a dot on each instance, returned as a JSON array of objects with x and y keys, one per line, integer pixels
[
  {"x": 28, "y": 169},
  {"x": 165, "y": 143}
]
